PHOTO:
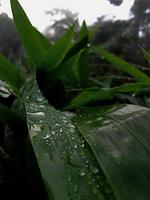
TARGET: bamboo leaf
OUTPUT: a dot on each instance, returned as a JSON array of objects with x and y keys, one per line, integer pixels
[
  {"x": 90, "y": 96},
  {"x": 67, "y": 166},
  {"x": 11, "y": 118},
  {"x": 80, "y": 44},
  {"x": 35, "y": 45},
  {"x": 57, "y": 53},
  {"x": 120, "y": 139},
  {"x": 84, "y": 68},
  {"x": 123, "y": 65},
  {"x": 146, "y": 54},
  {"x": 11, "y": 74}
]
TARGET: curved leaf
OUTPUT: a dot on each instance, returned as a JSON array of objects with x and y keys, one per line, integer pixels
[
  {"x": 120, "y": 140},
  {"x": 11, "y": 74},
  {"x": 68, "y": 167},
  {"x": 123, "y": 65},
  {"x": 35, "y": 45}
]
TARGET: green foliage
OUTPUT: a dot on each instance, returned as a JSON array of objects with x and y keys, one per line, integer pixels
[
  {"x": 99, "y": 153},
  {"x": 11, "y": 74}
]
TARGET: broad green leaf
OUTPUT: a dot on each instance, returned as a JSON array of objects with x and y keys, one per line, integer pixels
[
  {"x": 120, "y": 140},
  {"x": 84, "y": 68},
  {"x": 68, "y": 168},
  {"x": 35, "y": 45},
  {"x": 57, "y": 53},
  {"x": 11, "y": 74},
  {"x": 123, "y": 65}
]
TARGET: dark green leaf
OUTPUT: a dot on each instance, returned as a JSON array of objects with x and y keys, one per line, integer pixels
[
  {"x": 90, "y": 96},
  {"x": 120, "y": 140},
  {"x": 11, "y": 118},
  {"x": 84, "y": 68},
  {"x": 146, "y": 54},
  {"x": 11, "y": 74},
  {"x": 36, "y": 47},
  {"x": 123, "y": 65},
  {"x": 80, "y": 44},
  {"x": 57, "y": 53},
  {"x": 67, "y": 166}
]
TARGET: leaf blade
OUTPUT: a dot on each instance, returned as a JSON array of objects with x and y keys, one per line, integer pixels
[
  {"x": 123, "y": 65},
  {"x": 119, "y": 138}
]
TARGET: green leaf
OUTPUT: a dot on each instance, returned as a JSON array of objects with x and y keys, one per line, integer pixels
[
  {"x": 68, "y": 168},
  {"x": 90, "y": 96},
  {"x": 80, "y": 44},
  {"x": 120, "y": 140},
  {"x": 146, "y": 54},
  {"x": 11, "y": 118},
  {"x": 123, "y": 65},
  {"x": 35, "y": 45},
  {"x": 130, "y": 87},
  {"x": 83, "y": 32},
  {"x": 64, "y": 67},
  {"x": 84, "y": 68},
  {"x": 11, "y": 74},
  {"x": 57, "y": 53}
]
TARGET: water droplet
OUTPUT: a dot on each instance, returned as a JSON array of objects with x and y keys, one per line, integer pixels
[
  {"x": 57, "y": 124},
  {"x": 75, "y": 146},
  {"x": 36, "y": 116},
  {"x": 61, "y": 130},
  {"x": 82, "y": 145},
  {"x": 82, "y": 173},
  {"x": 75, "y": 188},
  {"x": 46, "y": 137},
  {"x": 99, "y": 118},
  {"x": 40, "y": 99},
  {"x": 89, "y": 122},
  {"x": 53, "y": 132},
  {"x": 71, "y": 130},
  {"x": 94, "y": 169},
  {"x": 41, "y": 106},
  {"x": 69, "y": 178},
  {"x": 73, "y": 138},
  {"x": 71, "y": 125}
]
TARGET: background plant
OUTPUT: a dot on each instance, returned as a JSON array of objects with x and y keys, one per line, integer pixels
[{"x": 88, "y": 153}]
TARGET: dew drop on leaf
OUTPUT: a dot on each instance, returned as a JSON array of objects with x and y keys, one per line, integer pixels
[{"x": 82, "y": 173}]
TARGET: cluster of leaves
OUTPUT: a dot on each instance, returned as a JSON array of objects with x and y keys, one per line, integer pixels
[{"x": 94, "y": 153}]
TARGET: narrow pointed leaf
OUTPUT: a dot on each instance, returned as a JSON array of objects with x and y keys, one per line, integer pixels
[
  {"x": 67, "y": 166},
  {"x": 80, "y": 44},
  {"x": 90, "y": 96},
  {"x": 123, "y": 65},
  {"x": 57, "y": 53},
  {"x": 65, "y": 67},
  {"x": 146, "y": 54},
  {"x": 84, "y": 31},
  {"x": 34, "y": 45},
  {"x": 84, "y": 68},
  {"x": 11, "y": 74},
  {"x": 11, "y": 118},
  {"x": 120, "y": 139}
]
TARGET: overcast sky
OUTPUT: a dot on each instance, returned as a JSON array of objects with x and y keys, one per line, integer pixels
[{"x": 87, "y": 9}]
